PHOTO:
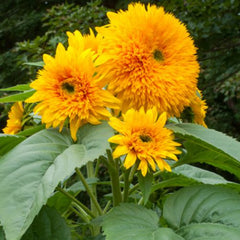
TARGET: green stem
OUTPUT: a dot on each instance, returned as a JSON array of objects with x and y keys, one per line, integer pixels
[
  {"x": 89, "y": 191},
  {"x": 134, "y": 188},
  {"x": 107, "y": 206},
  {"x": 114, "y": 175},
  {"x": 126, "y": 185},
  {"x": 76, "y": 201},
  {"x": 97, "y": 168},
  {"x": 80, "y": 214},
  {"x": 92, "y": 187},
  {"x": 133, "y": 170}
]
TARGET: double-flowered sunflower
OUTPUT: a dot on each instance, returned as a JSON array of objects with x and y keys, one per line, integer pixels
[
  {"x": 143, "y": 137},
  {"x": 67, "y": 88},
  {"x": 149, "y": 59},
  {"x": 15, "y": 116}
]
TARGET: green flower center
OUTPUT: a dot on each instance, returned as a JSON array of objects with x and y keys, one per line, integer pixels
[
  {"x": 68, "y": 87},
  {"x": 158, "y": 55},
  {"x": 145, "y": 138}
]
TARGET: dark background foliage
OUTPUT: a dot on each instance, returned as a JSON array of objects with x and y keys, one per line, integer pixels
[{"x": 30, "y": 28}]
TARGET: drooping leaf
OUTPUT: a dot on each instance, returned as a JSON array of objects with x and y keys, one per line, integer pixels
[
  {"x": 131, "y": 221},
  {"x": 7, "y": 142},
  {"x": 208, "y": 146},
  {"x": 145, "y": 184},
  {"x": 197, "y": 212},
  {"x": 37, "y": 64},
  {"x": 20, "y": 87},
  {"x": 48, "y": 224},
  {"x": 199, "y": 175},
  {"x": 30, "y": 131},
  {"x": 30, "y": 172},
  {"x": 18, "y": 96}
]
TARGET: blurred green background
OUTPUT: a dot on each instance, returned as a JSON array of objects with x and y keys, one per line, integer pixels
[{"x": 29, "y": 28}]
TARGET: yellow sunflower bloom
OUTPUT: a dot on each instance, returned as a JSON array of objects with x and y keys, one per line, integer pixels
[
  {"x": 199, "y": 108},
  {"x": 82, "y": 42},
  {"x": 67, "y": 88},
  {"x": 14, "y": 123},
  {"x": 149, "y": 59},
  {"x": 143, "y": 136}
]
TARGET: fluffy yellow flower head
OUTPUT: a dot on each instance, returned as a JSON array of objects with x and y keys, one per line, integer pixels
[
  {"x": 199, "y": 108},
  {"x": 143, "y": 136},
  {"x": 82, "y": 42},
  {"x": 149, "y": 59},
  {"x": 14, "y": 123},
  {"x": 67, "y": 88}
]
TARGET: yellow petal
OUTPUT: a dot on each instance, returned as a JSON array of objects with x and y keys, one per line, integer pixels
[
  {"x": 130, "y": 160},
  {"x": 118, "y": 139},
  {"x": 119, "y": 151},
  {"x": 143, "y": 166}
]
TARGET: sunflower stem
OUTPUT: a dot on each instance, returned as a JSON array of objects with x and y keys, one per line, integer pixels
[
  {"x": 80, "y": 205},
  {"x": 107, "y": 206},
  {"x": 79, "y": 212},
  {"x": 114, "y": 175},
  {"x": 132, "y": 172},
  {"x": 91, "y": 174},
  {"x": 89, "y": 191},
  {"x": 126, "y": 185}
]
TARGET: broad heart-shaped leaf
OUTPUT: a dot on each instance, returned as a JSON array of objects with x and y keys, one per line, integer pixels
[
  {"x": 48, "y": 224},
  {"x": 7, "y": 142},
  {"x": 208, "y": 146},
  {"x": 130, "y": 221},
  {"x": 30, "y": 172},
  {"x": 204, "y": 212}
]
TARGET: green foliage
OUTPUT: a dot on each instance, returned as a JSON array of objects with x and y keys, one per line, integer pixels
[
  {"x": 33, "y": 169},
  {"x": 48, "y": 224},
  {"x": 204, "y": 212},
  {"x": 130, "y": 221},
  {"x": 208, "y": 146},
  {"x": 7, "y": 142}
]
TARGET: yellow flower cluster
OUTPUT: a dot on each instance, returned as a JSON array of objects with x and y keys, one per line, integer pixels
[{"x": 142, "y": 65}]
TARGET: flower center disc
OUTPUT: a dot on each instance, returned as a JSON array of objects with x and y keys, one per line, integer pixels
[
  {"x": 68, "y": 87},
  {"x": 145, "y": 138},
  {"x": 158, "y": 55}
]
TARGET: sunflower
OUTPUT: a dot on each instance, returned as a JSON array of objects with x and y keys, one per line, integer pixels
[
  {"x": 14, "y": 123},
  {"x": 143, "y": 136},
  {"x": 199, "y": 108},
  {"x": 149, "y": 59},
  {"x": 68, "y": 89},
  {"x": 82, "y": 42}
]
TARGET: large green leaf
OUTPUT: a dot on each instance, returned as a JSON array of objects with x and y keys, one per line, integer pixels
[
  {"x": 18, "y": 96},
  {"x": 197, "y": 212},
  {"x": 208, "y": 146},
  {"x": 130, "y": 221},
  {"x": 20, "y": 87},
  {"x": 30, "y": 172},
  {"x": 48, "y": 224},
  {"x": 7, "y": 142}
]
